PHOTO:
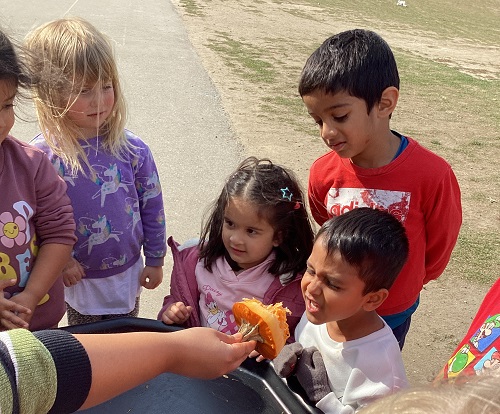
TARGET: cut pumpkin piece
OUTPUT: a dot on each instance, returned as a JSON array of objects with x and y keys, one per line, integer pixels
[{"x": 265, "y": 324}]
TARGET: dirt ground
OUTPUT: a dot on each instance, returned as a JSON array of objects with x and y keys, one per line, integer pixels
[{"x": 448, "y": 304}]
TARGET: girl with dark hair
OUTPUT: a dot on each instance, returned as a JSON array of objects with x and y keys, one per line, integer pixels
[{"x": 255, "y": 244}]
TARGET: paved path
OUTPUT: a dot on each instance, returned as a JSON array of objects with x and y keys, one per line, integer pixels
[{"x": 172, "y": 103}]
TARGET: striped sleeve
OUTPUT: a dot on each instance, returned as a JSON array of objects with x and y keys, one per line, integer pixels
[
  {"x": 41, "y": 372},
  {"x": 27, "y": 374},
  {"x": 74, "y": 372}
]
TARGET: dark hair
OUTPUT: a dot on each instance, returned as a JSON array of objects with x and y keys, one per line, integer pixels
[
  {"x": 11, "y": 67},
  {"x": 373, "y": 241},
  {"x": 277, "y": 193},
  {"x": 357, "y": 61}
]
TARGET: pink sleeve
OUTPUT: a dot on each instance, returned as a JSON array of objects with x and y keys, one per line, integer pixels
[
  {"x": 183, "y": 286},
  {"x": 53, "y": 219}
]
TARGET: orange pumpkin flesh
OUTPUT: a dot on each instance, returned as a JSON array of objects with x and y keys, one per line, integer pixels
[{"x": 265, "y": 324}]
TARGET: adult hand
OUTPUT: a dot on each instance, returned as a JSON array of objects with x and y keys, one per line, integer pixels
[
  {"x": 210, "y": 353},
  {"x": 125, "y": 360}
]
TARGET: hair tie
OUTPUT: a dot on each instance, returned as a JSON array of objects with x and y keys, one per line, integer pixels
[
  {"x": 286, "y": 194},
  {"x": 296, "y": 206}
]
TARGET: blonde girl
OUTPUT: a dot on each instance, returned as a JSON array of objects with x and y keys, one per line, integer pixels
[{"x": 111, "y": 174}]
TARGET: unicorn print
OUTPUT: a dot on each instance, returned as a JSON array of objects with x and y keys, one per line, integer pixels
[
  {"x": 160, "y": 219},
  {"x": 132, "y": 209},
  {"x": 111, "y": 186},
  {"x": 61, "y": 171},
  {"x": 110, "y": 262},
  {"x": 152, "y": 189},
  {"x": 102, "y": 234}
]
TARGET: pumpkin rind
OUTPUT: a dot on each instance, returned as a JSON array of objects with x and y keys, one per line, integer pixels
[{"x": 271, "y": 321}]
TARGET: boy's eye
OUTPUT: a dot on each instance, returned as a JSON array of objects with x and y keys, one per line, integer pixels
[
  {"x": 108, "y": 86},
  {"x": 332, "y": 285},
  {"x": 340, "y": 118}
]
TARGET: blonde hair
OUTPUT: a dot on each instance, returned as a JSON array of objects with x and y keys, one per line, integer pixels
[
  {"x": 66, "y": 55},
  {"x": 478, "y": 394}
]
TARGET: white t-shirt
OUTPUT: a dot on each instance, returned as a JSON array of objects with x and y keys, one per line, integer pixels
[
  {"x": 359, "y": 371},
  {"x": 108, "y": 295}
]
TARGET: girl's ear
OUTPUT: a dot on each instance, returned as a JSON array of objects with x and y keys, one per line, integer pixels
[
  {"x": 388, "y": 101},
  {"x": 375, "y": 299},
  {"x": 278, "y": 239}
]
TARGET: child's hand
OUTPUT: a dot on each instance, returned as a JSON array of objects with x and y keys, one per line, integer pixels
[
  {"x": 258, "y": 357},
  {"x": 9, "y": 310},
  {"x": 176, "y": 313},
  {"x": 72, "y": 273},
  {"x": 27, "y": 300},
  {"x": 151, "y": 276}
]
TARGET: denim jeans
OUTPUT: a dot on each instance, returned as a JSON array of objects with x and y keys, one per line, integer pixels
[{"x": 401, "y": 331}]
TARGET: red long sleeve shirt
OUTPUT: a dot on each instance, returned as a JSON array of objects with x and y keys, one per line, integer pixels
[{"x": 418, "y": 187}]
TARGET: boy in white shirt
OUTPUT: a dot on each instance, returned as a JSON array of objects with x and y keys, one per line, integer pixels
[{"x": 346, "y": 355}]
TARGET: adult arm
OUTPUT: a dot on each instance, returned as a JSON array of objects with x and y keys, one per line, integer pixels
[
  {"x": 54, "y": 368},
  {"x": 130, "y": 359}
]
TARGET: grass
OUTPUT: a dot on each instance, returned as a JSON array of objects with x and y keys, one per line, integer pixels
[
  {"x": 191, "y": 7},
  {"x": 248, "y": 62},
  {"x": 453, "y": 113},
  {"x": 475, "y": 256},
  {"x": 460, "y": 19}
]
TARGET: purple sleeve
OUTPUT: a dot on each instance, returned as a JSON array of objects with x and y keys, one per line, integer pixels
[{"x": 151, "y": 208}]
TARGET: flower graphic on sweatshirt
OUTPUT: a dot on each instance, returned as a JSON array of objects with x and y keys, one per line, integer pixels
[{"x": 12, "y": 230}]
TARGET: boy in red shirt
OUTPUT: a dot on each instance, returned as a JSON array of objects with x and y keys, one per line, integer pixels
[{"x": 350, "y": 86}]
